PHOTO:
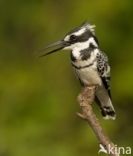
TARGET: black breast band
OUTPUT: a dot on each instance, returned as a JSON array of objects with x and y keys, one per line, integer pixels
[{"x": 81, "y": 67}]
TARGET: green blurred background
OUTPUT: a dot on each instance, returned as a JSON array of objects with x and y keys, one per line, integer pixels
[{"x": 38, "y": 96}]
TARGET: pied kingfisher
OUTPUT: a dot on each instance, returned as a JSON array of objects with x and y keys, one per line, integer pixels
[{"x": 89, "y": 62}]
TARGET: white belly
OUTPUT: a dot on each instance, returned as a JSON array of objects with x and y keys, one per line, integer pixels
[{"x": 89, "y": 76}]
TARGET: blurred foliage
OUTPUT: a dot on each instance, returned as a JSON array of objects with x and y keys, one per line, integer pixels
[{"x": 38, "y": 96}]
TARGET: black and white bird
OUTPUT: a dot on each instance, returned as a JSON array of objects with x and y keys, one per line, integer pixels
[{"x": 89, "y": 62}]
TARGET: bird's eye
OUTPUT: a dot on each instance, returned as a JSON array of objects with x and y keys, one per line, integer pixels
[{"x": 73, "y": 37}]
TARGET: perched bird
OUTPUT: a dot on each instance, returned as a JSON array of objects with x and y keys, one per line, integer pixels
[{"x": 89, "y": 62}]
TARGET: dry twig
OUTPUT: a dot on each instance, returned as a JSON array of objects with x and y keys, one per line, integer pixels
[{"x": 85, "y": 100}]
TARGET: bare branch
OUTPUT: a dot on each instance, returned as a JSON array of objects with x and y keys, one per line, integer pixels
[{"x": 85, "y": 100}]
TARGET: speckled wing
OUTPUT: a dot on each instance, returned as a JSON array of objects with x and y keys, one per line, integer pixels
[{"x": 104, "y": 70}]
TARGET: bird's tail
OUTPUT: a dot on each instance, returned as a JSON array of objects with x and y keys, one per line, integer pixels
[{"x": 105, "y": 103}]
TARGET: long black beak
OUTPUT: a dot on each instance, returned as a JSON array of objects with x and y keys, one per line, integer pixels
[{"x": 54, "y": 47}]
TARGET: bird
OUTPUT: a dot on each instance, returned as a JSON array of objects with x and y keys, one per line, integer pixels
[{"x": 90, "y": 63}]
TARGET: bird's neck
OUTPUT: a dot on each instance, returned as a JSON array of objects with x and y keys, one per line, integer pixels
[{"x": 83, "y": 50}]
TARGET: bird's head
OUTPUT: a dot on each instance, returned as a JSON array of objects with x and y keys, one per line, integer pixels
[{"x": 80, "y": 38}]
